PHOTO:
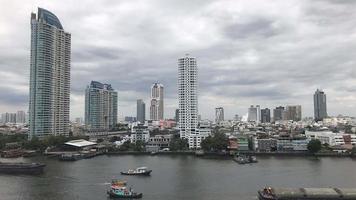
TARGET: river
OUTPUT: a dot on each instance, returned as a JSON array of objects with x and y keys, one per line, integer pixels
[{"x": 176, "y": 177}]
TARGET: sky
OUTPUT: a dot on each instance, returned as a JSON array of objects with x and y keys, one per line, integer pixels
[{"x": 258, "y": 52}]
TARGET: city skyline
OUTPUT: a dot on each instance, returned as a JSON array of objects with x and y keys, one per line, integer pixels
[{"x": 227, "y": 70}]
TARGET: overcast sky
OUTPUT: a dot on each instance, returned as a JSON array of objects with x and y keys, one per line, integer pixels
[{"x": 269, "y": 53}]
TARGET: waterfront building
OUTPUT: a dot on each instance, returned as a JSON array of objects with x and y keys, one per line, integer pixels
[
  {"x": 158, "y": 142},
  {"x": 319, "y": 105},
  {"x": 266, "y": 144},
  {"x": 203, "y": 131},
  {"x": 141, "y": 111},
  {"x": 294, "y": 113},
  {"x": 219, "y": 115},
  {"x": 156, "y": 107},
  {"x": 139, "y": 132},
  {"x": 265, "y": 115},
  {"x": 331, "y": 138},
  {"x": 292, "y": 143},
  {"x": 100, "y": 107},
  {"x": 188, "y": 99},
  {"x": 49, "y": 76},
  {"x": 278, "y": 113}
]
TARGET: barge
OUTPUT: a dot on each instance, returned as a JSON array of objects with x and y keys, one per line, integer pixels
[
  {"x": 21, "y": 168},
  {"x": 307, "y": 194}
]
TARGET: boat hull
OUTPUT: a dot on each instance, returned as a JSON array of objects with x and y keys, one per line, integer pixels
[
  {"x": 146, "y": 173},
  {"x": 132, "y": 196},
  {"x": 21, "y": 168}
]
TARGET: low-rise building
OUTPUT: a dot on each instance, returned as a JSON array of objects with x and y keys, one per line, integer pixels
[
  {"x": 140, "y": 132},
  {"x": 159, "y": 142},
  {"x": 266, "y": 144}
]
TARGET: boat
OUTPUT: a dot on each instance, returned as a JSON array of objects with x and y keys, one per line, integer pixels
[
  {"x": 243, "y": 159},
  {"x": 70, "y": 157},
  {"x": 21, "y": 168},
  {"x": 270, "y": 193},
  {"x": 139, "y": 171},
  {"x": 13, "y": 153},
  {"x": 118, "y": 189}
]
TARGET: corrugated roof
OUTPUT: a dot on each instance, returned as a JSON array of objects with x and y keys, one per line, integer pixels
[{"x": 80, "y": 143}]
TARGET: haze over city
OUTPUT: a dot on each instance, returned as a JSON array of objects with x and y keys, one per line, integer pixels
[{"x": 248, "y": 52}]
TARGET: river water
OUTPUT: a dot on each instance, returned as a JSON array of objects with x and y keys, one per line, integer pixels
[{"x": 176, "y": 177}]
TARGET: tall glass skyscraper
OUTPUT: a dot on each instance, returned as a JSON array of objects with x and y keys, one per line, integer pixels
[
  {"x": 320, "y": 105},
  {"x": 156, "y": 107},
  {"x": 100, "y": 107},
  {"x": 49, "y": 76},
  {"x": 141, "y": 111}
]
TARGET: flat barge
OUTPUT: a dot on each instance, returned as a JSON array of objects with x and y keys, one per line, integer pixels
[
  {"x": 307, "y": 194},
  {"x": 21, "y": 168}
]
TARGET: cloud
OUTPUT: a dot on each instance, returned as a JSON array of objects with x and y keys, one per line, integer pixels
[{"x": 248, "y": 52}]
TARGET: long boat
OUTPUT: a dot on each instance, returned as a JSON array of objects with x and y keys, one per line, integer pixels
[
  {"x": 21, "y": 168},
  {"x": 270, "y": 193},
  {"x": 143, "y": 171}
]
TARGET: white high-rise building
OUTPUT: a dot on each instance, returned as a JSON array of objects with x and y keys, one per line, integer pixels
[
  {"x": 188, "y": 100},
  {"x": 156, "y": 108},
  {"x": 20, "y": 117},
  {"x": 49, "y": 76},
  {"x": 219, "y": 114}
]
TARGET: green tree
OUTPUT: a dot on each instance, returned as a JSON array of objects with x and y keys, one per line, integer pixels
[
  {"x": 178, "y": 144},
  {"x": 353, "y": 151},
  {"x": 217, "y": 142},
  {"x": 314, "y": 146}
]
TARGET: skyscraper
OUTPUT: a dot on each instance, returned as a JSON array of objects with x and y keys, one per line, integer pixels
[
  {"x": 100, "y": 107},
  {"x": 49, "y": 76},
  {"x": 278, "y": 113},
  {"x": 219, "y": 114},
  {"x": 188, "y": 100},
  {"x": 265, "y": 115},
  {"x": 294, "y": 112},
  {"x": 176, "y": 116},
  {"x": 156, "y": 108},
  {"x": 252, "y": 114},
  {"x": 319, "y": 105},
  {"x": 141, "y": 111},
  {"x": 20, "y": 117}
]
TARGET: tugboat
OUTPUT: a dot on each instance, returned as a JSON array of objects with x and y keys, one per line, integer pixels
[
  {"x": 21, "y": 168},
  {"x": 139, "y": 171},
  {"x": 118, "y": 189}
]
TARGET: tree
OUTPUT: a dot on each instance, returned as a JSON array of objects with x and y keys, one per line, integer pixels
[
  {"x": 314, "y": 146},
  {"x": 353, "y": 151},
  {"x": 178, "y": 144},
  {"x": 217, "y": 142}
]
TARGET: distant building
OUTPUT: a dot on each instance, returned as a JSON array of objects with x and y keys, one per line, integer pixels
[
  {"x": 141, "y": 111},
  {"x": 100, "y": 107},
  {"x": 8, "y": 118},
  {"x": 130, "y": 119},
  {"x": 254, "y": 114},
  {"x": 79, "y": 120},
  {"x": 265, "y": 115},
  {"x": 156, "y": 108},
  {"x": 176, "y": 117},
  {"x": 49, "y": 76},
  {"x": 188, "y": 99},
  {"x": 219, "y": 114},
  {"x": 294, "y": 113},
  {"x": 21, "y": 117},
  {"x": 203, "y": 131},
  {"x": 320, "y": 111},
  {"x": 278, "y": 113}
]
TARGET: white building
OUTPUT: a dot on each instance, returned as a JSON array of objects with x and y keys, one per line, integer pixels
[
  {"x": 139, "y": 132},
  {"x": 156, "y": 107},
  {"x": 254, "y": 114},
  {"x": 188, "y": 100},
  {"x": 330, "y": 138},
  {"x": 219, "y": 115},
  {"x": 203, "y": 131}
]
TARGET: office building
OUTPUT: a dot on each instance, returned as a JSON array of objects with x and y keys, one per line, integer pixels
[
  {"x": 319, "y": 105},
  {"x": 188, "y": 99},
  {"x": 278, "y": 113},
  {"x": 20, "y": 117},
  {"x": 294, "y": 113},
  {"x": 49, "y": 76},
  {"x": 141, "y": 111},
  {"x": 252, "y": 114},
  {"x": 219, "y": 114},
  {"x": 156, "y": 108},
  {"x": 176, "y": 116},
  {"x": 265, "y": 115},
  {"x": 100, "y": 107}
]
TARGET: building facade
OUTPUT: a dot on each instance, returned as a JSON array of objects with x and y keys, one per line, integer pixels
[
  {"x": 49, "y": 76},
  {"x": 265, "y": 115},
  {"x": 219, "y": 115},
  {"x": 254, "y": 114},
  {"x": 141, "y": 111},
  {"x": 319, "y": 105},
  {"x": 156, "y": 107},
  {"x": 278, "y": 113},
  {"x": 188, "y": 99},
  {"x": 100, "y": 107},
  {"x": 21, "y": 117},
  {"x": 294, "y": 113}
]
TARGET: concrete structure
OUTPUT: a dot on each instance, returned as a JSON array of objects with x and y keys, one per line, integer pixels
[
  {"x": 100, "y": 107},
  {"x": 254, "y": 114},
  {"x": 176, "y": 116},
  {"x": 266, "y": 144},
  {"x": 156, "y": 108},
  {"x": 294, "y": 113},
  {"x": 139, "y": 132},
  {"x": 265, "y": 115},
  {"x": 141, "y": 111},
  {"x": 188, "y": 99},
  {"x": 49, "y": 76},
  {"x": 8, "y": 118},
  {"x": 219, "y": 115},
  {"x": 21, "y": 117},
  {"x": 203, "y": 131},
  {"x": 319, "y": 105},
  {"x": 278, "y": 113},
  {"x": 130, "y": 119},
  {"x": 289, "y": 143},
  {"x": 332, "y": 139},
  {"x": 159, "y": 141}
]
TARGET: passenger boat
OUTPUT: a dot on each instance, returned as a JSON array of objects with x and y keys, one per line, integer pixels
[
  {"x": 21, "y": 168},
  {"x": 242, "y": 159},
  {"x": 118, "y": 189},
  {"x": 139, "y": 171},
  {"x": 269, "y": 193}
]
